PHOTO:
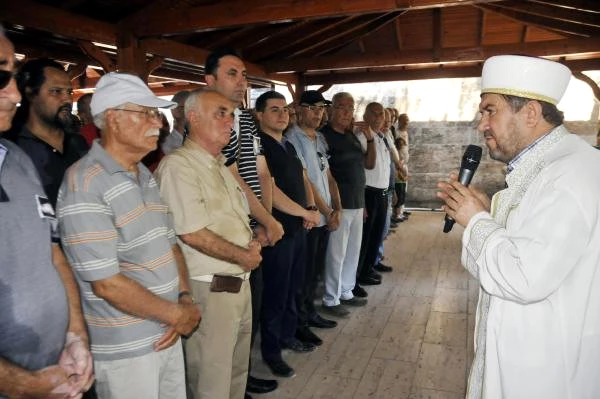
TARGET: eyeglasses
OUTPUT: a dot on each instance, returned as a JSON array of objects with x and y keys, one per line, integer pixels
[
  {"x": 6, "y": 77},
  {"x": 152, "y": 113},
  {"x": 313, "y": 107}
]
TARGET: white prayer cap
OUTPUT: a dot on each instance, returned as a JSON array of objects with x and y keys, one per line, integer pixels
[
  {"x": 117, "y": 88},
  {"x": 528, "y": 77}
]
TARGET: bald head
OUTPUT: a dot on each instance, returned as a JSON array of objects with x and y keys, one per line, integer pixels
[{"x": 209, "y": 115}]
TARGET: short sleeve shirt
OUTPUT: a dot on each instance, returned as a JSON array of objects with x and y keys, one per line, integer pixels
[
  {"x": 34, "y": 313},
  {"x": 111, "y": 222},
  {"x": 202, "y": 193},
  {"x": 346, "y": 160}
]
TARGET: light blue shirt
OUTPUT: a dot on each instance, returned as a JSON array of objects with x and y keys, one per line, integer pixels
[{"x": 313, "y": 155}]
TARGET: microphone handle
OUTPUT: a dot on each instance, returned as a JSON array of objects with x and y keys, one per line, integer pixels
[{"x": 464, "y": 178}]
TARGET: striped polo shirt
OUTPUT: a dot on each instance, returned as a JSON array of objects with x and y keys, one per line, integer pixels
[
  {"x": 246, "y": 150},
  {"x": 114, "y": 222}
]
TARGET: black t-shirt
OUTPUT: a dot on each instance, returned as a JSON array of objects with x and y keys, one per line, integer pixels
[
  {"x": 51, "y": 164},
  {"x": 286, "y": 168},
  {"x": 346, "y": 162}
]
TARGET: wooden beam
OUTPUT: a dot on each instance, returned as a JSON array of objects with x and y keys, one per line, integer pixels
[
  {"x": 131, "y": 54},
  {"x": 97, "y": 55},
  {"x": 300, "y": 39},
  {"x": 437, "y": 33},
  {"x": 196, "y": 56},
  {"x": 398, "y": 32},
  {"x": 76, "y": 70},
  {"x": 59, "y": 22},
  {"x": 586, "y": 79},
  {"x": 481, "y": 27},
  {"x": 447, "y": 55},
  {"x": 436, "y": 72},
  {"x": 562, "y": 27},
  {"x": 282, "y": 36},
  {"x": 247, "y": 12},
  {"x": 591, "y": 6},
  {"x": 153, "y": 64},
  {"x": 553, "y": 12}
]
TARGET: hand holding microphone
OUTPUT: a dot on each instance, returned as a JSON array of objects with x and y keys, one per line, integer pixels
[{"x": 461, "y": 203}]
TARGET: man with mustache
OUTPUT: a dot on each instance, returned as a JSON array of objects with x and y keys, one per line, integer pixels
[
  {"x": 120, "y": 241},
  {"x": 534, "y": 246},
  {"x": 47, "y": 134}
]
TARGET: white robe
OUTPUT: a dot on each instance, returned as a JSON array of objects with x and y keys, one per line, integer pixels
[{"x": 537, "y": 260}]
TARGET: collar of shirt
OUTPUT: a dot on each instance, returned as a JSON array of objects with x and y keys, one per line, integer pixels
[
  {"x": 108, "y": 163},
  {"x": 512, "y": 164},
  {"x": 3, "y": 151},
  {"x": 204, "y": 156}
]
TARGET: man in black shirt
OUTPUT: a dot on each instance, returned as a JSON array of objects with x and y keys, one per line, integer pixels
[
  {"x": 347, "y": 163},
  {"x": 283, "y": 263},
  {"x": 47, "y": 135}
]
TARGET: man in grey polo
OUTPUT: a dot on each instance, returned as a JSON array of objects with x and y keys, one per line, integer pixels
[{"x": 118, "y": 238}]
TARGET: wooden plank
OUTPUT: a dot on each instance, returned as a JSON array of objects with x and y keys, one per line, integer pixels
[
  {"x": 553, "y": 12},
  {"x": 245, "y": 12},
  {"x": 565, "y": 27},
  {"x": 50, "y": 19},
  {"x": 591, "y": 6},
  {"x": 554, "y": 48}
]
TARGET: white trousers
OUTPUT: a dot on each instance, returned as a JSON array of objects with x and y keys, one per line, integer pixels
[
  {"x": 342, "y": 256},
  {"x": 157, "y": 375}
]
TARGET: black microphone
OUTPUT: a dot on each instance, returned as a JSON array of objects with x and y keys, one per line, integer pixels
[{"x": 468, "y": 166}]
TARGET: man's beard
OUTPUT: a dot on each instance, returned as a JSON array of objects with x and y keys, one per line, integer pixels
[{"x": 63, "y": 121}]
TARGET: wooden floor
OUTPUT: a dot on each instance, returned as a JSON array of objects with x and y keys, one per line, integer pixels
[{"x": 414, "y": 338}]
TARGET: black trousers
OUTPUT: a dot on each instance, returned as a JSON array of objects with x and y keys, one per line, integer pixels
[
  {"x": 316, "y": 247},
  {"x": 376, "y": 203},
  {"x": 283, "y": 271}
]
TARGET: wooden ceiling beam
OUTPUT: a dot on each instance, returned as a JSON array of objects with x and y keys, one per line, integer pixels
[
  {"x": 282, "y": 36},
  {"x": 247, "y": 12},
  {"x": 193, "y": 55},
  {"x": 300, "y": 39},
  {"x": 398, "y": 33},
  {"x": 591, "y": 6},
  {"x": 59, "y": 22},
  {"x": 437, "y": 33},
  {"x": 447, "y": 55},
  {"x": 89, "y": 49},
  {"x": 337, "y": 43},
  {"x": 553, "y": 12},
  {"x": 562, "y": 27},
  {"x": 435, "y": 72}
]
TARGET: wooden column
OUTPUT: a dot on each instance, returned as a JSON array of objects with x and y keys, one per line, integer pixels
[{"x": 131, "y": 54}]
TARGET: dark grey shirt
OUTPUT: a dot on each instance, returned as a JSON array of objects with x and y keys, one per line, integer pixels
[
  {"x": 346, "y": 162},
  {"x": 33, "y": 302}
]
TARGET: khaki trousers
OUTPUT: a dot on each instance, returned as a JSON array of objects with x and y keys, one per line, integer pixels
[{"x": 217, "y": 354}]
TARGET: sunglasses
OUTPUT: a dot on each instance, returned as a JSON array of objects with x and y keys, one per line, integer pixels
[{"x": 5, "y": 77}]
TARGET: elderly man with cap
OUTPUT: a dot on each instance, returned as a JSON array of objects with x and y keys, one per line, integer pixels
[
  {"x": 119, "y": 240},
  {"x": 534, "y": 246}
]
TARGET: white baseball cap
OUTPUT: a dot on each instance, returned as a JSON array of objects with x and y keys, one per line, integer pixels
[
  {"x": 116, "y": 88},
  {"x": 527, "y": 77}
]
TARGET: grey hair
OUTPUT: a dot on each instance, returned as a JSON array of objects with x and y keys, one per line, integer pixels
[
  {"x": 338, "y": 96},
  {"x": 100, "y": 120},
  {"x": 192, "y": 100}
]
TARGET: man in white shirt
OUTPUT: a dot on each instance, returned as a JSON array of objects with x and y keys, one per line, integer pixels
[{"x": 534, "y": 246}]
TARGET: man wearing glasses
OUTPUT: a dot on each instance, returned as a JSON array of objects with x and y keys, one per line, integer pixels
[
  {"x": 48, "y": 135},
  {"x": 312, "y": 149},
  {"x": 120, "y": 241},
  {"x": 43, "y": 346}
]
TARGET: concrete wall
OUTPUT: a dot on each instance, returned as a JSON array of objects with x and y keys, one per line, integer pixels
[{"x": 436, "y": 149}]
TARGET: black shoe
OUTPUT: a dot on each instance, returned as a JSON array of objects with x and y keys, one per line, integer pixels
[
  {"x": 380, "y": 267},
  {"x": 280, "y": 368},
  {"x": 247, "y": 396},
  {"x": 298, "y": 346},
  {"x": 368, "y": 281},
  {"x": 373, "y": 274},
  {"x": 396, "y": 220},
  {"x": 355, "y": 301},
  {"x": 315, "y": 320},
  {"x": 304, "y": 335},
  {"x": 359, "y": 292},
  {"x": 336, "y": 310},
  {"x": 258, "y": 385}
]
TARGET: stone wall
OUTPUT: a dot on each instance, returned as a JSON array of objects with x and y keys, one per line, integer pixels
[{"x": 436, "y": 149}]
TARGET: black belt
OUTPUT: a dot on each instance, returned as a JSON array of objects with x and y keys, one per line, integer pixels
[{"x": 381, "y": 191}]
